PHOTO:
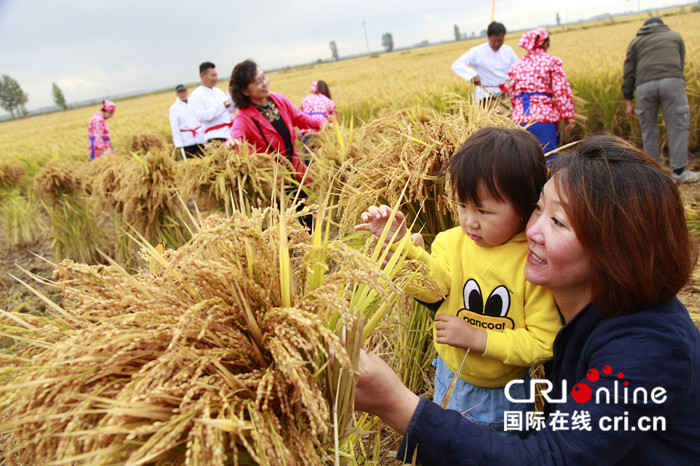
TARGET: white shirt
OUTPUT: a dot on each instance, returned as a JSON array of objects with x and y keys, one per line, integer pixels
[
  {"x": 208, "y": 106},
  {"x": 491, "y": 67},
  {"x": 187, "y": 131}
]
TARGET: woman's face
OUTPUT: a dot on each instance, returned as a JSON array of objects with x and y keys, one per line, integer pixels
[
  {"x": 556, "y": 259},
  {"x": 258, "y": 89}
]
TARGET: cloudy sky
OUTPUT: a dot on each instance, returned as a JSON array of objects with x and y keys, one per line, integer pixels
[{"x": 97, "y": 48}]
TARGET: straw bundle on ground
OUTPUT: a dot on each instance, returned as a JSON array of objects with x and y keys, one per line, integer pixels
[
  {"x": 11, "y": 173},
  {"x": 231, "y": 174},
  {"x": 57, "y": 177},
  {"x": 400, "y": 152},
  {"x": 146, "y": 142},
  {"x": 218, "y": 354}
]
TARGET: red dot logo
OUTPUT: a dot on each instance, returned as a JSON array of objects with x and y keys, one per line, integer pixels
[
  {"x": 620, "y": 375},
  {"x": 607, "y": 370},
  {"x": 581, "y": 393},
  {"x": 592, "y": 375}
]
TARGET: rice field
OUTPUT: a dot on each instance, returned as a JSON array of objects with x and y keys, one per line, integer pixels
[{"x": 183, "y": 315}]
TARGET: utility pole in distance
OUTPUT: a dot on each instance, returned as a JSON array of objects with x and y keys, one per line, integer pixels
[{"x": 366, "y": 40}]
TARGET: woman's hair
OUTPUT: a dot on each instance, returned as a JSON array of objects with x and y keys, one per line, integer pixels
[
  {"x": 322, "y": 88},
  {"x": 242, "y": 75},
  {"x": 507, "y": 162},
  {"x": 629, "y": 217}
]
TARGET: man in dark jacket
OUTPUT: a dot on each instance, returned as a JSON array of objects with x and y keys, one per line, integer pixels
[{"x": 654, "y": 69}]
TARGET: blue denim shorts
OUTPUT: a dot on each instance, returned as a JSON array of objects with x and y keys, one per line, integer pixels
[{"x": 481, "y": 405}]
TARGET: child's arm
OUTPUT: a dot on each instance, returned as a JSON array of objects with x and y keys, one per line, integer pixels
[{"x": 533, "y": 344}]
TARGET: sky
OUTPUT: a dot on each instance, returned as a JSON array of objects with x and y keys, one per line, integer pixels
[{"x": 97, "y": 48}]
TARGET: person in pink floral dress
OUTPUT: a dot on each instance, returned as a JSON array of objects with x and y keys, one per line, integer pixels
[
  {"x": 319, "y": 105},
  {"x": 98, "y": 132},
  {"x": 539, "y": 91}
]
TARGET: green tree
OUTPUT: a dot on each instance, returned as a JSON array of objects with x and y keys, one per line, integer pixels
[
  {"x": 58, "y": 97},
  {"x": 388, "y": 41},
  {"x": 334, "y": 50},
  {"x": 458, "y": 34},
  {"x": 12, "y": 97}
]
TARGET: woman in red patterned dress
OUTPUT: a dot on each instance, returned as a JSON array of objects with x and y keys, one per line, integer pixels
[
  {"x": 98, "y": 132},
  {"x": 540, "y": 92},
  {"x": 317, "y": 104}
]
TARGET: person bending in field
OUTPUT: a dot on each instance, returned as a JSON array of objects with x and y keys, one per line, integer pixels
[
  {"x": 490, "y": 315},
  {"x": 98, "y": 132}
]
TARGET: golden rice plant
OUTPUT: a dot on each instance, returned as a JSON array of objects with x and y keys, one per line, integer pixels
[{"x": 216, "y": 353}]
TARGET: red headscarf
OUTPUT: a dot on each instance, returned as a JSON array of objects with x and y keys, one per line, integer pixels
[
  {"x": 534, "y": 39},
  {"x": 108, "y": 106}
]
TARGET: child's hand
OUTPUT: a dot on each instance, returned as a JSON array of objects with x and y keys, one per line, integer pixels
[
  {"x": 456, "y": 332},
  {"x": 376, "y": 218},
  {"x": 418, "y": 240}
]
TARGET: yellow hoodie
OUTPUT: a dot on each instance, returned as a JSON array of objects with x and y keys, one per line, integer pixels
[{"x": 487, "y": 287}]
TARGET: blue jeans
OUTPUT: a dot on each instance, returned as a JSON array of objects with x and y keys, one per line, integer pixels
[{"x": 481, "y": 405}]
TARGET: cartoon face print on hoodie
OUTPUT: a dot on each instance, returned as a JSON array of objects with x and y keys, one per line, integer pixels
[{"x": 486, "y": 312}]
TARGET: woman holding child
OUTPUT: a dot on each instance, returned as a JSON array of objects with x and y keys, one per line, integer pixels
[
  {"x": 491, "y": 317},
  {"x": 608, "y": 239}
]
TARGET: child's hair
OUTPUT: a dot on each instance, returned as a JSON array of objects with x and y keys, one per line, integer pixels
[{"x": 507, "y": 162}]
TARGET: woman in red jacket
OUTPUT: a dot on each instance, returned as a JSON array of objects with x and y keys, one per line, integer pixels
[{"x": 266, "y": 120}]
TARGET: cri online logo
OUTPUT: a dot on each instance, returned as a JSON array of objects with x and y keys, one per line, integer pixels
[{"x": 582, "y": 393}]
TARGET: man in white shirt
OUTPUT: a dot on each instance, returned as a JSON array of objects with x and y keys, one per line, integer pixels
[
  {"x": 487, "y": 65},
  {"x": 188, "y": 135},
  {"x": 210, "y": 105}
]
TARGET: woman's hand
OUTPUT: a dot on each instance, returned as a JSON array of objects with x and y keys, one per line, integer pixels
[
  {"x": 376, "y": 219},
  {"x": 456, "y": 332},
  {"x": 379, "y": 391}
]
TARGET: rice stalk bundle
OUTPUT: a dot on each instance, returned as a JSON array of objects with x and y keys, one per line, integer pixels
[
  {"x": 143, "y": 191},
  {"x": 218, "y": 354},
  {"x": 102, "y": 178},
  {"x": 20, "y": 222},
  {"x": 401, "y": 151},
  {"x": 12, "y": 173},
  {"x": 146, "y": 142},
  {"x": 231, "y": 174},
  {"x": 57, "y": 177}
]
